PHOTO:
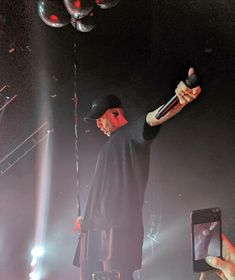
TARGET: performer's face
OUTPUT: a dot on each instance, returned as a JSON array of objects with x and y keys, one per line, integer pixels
[{"x": 108, "y": 123}]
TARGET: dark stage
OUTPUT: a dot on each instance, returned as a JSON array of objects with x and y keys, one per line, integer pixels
[{"x": 139, "y": 51}]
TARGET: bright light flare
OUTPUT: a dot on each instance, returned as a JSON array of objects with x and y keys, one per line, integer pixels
[
  {"x": 33, "y": 262},
  {"x": 34, "y": 276},
  {"x": 38, "y": 251}
]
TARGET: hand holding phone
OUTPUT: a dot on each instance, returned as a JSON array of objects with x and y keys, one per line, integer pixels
[
  {"x": 206, "y": 237},
  {"x": 225, "y": 268}
]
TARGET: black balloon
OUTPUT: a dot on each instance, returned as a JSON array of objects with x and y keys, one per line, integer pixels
[
  {"x": 85, "y": 24},
  {"x": 79, "y": 8},
  {"x": 107, "y": 4},
  {"x": 53, "y": 13}
]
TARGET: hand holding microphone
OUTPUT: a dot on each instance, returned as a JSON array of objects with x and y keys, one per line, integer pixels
[{"x": 185, "y": 92}]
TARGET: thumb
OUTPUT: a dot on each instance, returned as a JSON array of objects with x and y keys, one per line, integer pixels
[{"x": 191, "y": 71}]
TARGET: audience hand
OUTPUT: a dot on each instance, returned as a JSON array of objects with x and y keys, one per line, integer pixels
[{"x": 225, "y": 268}]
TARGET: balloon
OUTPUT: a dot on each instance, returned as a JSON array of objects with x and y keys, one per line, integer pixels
[
  {"x": 53, "y": 13},
  {"x": 85, "y": 24},
  {"x": 107, "y": 4},
  {"x": 79, "y": 8}
]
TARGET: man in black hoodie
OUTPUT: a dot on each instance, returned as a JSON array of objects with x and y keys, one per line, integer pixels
[{"x": 112, "y": 228}]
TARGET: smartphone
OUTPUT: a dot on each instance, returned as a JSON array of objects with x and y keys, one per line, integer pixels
[{"x": 205, "y": 237}]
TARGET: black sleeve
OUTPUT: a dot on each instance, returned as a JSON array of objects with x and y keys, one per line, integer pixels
[
  {"x": 141, "y": 132},
  {"x": 150, "y": 132}
]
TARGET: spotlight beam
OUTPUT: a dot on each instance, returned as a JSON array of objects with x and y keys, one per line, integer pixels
[
  {"x": 7, "y": 102},
  {"x": 25, "y": 153},
  {"x": 21, "y": 144}
]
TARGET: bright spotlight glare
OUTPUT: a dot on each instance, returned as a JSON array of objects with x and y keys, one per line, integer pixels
[
  {"x": 34, "y": 276},
  {"x": 37, "y": 252},
  {"x": 33, "y": 262}
]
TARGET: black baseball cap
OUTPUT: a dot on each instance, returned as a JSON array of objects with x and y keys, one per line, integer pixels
[{"x": 101, "y": 104}]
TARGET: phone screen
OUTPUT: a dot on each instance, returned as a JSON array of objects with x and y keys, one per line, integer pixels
[
  {"x": 206, "y": 236},
  {"x": 206, "y": 240}
]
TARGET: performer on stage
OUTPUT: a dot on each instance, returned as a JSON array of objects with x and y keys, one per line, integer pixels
[
  {"x": 112, "y": 228},
  {"x": 206, "y": 243}
]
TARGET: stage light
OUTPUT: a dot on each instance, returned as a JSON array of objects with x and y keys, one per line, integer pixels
[
  {"x": 38, "y": 252},
  {"x": 34, "y": 276},
  {"x": 33, "y": 262}
]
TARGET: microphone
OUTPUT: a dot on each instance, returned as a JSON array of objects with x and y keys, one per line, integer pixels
[{"x": 191, "y": 82}]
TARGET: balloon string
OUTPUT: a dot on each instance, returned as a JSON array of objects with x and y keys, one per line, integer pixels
[{"x": 75, "y": 99}]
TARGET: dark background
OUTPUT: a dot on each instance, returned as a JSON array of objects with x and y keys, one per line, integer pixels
[{"x": 139, "y": 51}]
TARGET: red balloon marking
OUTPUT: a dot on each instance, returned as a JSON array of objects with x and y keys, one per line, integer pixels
[
  {"x": 77, "y": 4},
  {"x": 54, "y": 18}
]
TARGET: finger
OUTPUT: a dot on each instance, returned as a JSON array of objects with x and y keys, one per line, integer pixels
[
  {"x": 221, "y": 275},
  {"x": 188, "y": 98},
  {"x": 228, "y": 249},
  {"x": 225, "y": 248},
  {"x": 218, "y": 263},
  {"x": 186, "y": 94},
  {"x": 184, "y": 88},
  {"x": 180, "y": 94},
  {"x": 227, "y": 243},
  {"x": 203, "y": 276},
  {"x": 224, "y": 238},
  {"x": 196, "y": 90},
  {"x": 193, "y": 93}
]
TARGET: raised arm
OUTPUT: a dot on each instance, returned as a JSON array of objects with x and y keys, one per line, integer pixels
[{"x": 185, "y": 96}]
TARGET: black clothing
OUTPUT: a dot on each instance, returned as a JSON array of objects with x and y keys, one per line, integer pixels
[
  {"x": 106, "y": 250},
  {"x": 120, "y": 178},
  {"x": 113, "y": 215}
]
